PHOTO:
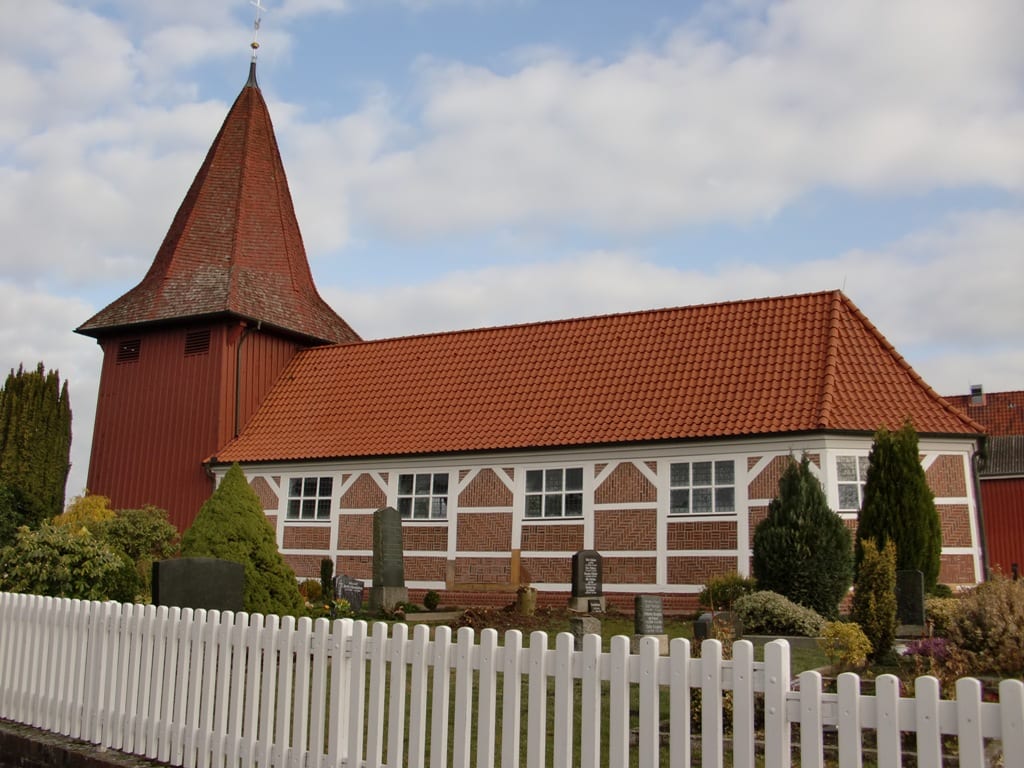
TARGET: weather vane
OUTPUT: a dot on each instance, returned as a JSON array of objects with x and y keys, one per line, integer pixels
[{"x": 255, "y": 44}]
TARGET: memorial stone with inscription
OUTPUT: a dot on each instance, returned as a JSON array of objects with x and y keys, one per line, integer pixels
[
  {"x": 199, "y": 582},
  {"x": 587, "y": 581},
  {"x": 350, "y": 589},
  {"x": 388, "y": 562},
  {"x": 649, "y": 621}
]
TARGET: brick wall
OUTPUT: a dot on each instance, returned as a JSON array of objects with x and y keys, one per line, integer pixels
[
  {"x": 698, "y": 570},
  {"x": 956, "y": 569},
  {"x": 355, "y": 531},
  {"x": 485, "y": 532},
  {"x": 699, "y": 534},
  {"x": 267, "y": 495},
  {"x": 626, "y": 529},
  {"x": 956, "y": 525},
  {"x": 305, "y": 566},
  {"x": 946, "y": 477},
  {"x": 629, "y": 570},
  {"x": 483, "y": 570},
  {"x": 545, "y": 570},
  {"x": 364, "y": 493},
  {"x": 307, "y": 537},
  {"x": 425, "y": 568},
  {"x": 625, "y": 484},
  {"x": 552, "y": 538},
  {"x": 424, "y": 538},
  {"x": 357, "y": 566},
  {"x": 486, "y": 490}
]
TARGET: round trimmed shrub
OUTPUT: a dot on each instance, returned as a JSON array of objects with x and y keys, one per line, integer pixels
[{"x": 769, "y": 613}]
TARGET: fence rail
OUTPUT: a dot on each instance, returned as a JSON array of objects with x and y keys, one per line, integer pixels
[{"x": 196, "y": 688}]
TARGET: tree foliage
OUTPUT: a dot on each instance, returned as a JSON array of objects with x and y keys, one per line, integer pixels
[
  {"x": 85, "y": 511},
  {"x": 874, "y": 597},
  {"x": 35, "y": 439},
  {"x": 61, "y": 562},
  {"x": 231, "y": 526},
  {"x": 142, "y": 535},
  {"x": 15, "y": 511},
  {"x": 802, "y": 549},
  {"x": 899, "y": 506}
]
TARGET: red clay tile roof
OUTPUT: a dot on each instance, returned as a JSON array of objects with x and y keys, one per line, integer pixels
[
  {"x": 234, "y": 246},
  {"x": 1001, "y": 413},
  {"x": 768, "y": 366}
]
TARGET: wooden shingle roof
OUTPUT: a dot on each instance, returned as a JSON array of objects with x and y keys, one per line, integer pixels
[
  {"x": 805, "y": 363},
  {"x": 234, "y": 246}
]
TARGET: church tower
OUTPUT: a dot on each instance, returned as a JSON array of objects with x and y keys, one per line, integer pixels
[{"x": 191, "y": 351}]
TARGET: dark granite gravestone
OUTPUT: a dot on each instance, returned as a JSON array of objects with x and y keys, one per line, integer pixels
[
  {"x": 718, "y": 625},
  {"x": 649, "y": 621},
  {"x": 348, "y": 588},
  {"x": 388, "y": 563},
  {"x": 587, "y": 581},
  {"x": 910, "y": 601},
  {"x": 199, "y": 582}
]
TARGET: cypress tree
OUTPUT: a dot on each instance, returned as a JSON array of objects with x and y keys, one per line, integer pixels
[
  {"x": 899, "y": 506},
  {"x": 35, "y": 439},
  {"x": 231, "y": 526},
  {"x": 802, "y": 549}
]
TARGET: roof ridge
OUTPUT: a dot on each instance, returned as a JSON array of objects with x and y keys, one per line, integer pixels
[
  {"x": 831, "y": 355},
  {"x": 902, "y": 362}
]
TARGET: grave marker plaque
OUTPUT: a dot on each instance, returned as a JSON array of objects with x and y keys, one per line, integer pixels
[
  {"x": 649, "y": 618},
  {"x": 350, "y": 589},
  {"x": 587, "y": 581},
  {"x": 199, "y": 582}
]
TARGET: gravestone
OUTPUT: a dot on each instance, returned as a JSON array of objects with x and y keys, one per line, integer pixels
[
  {"x": 583, "y": 625},
  {"x": 910, "y": 603},
  {"x": 649, "y": 621},
  {"x": 199, "y": 582},
  {"x": 717, "y": 626},
  {"x": 388, "y": 563},
  {"x": 587, "y": 581},
  {"x": 348, "y": 588}
]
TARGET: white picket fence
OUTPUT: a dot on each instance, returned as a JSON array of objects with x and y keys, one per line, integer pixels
[{"x": 210, "y": 689}]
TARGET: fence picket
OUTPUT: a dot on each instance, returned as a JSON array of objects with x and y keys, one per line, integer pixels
[{"x": 195, "y": 688}]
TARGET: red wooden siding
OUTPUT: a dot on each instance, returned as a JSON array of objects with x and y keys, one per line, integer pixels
[
  {"x": 160, "y": 416},
  {"x": 1003, "y": 507}
]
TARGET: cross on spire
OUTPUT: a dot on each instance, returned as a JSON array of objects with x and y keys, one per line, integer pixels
[{"x": 255, "y": 44}]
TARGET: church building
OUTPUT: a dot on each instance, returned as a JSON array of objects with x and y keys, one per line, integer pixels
[{"x": 656, "y": 438}]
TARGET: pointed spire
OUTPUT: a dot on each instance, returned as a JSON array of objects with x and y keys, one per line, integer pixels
[{"x": 234, "y": 247}]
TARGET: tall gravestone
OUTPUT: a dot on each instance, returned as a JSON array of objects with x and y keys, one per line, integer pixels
[
  {"x": 388, "y": 588},
  {"x": 199, "y": 582},
  {"x": 649, "y": 621},
  {"x": 910, "y": 603},
  {"x": 587, "y": 582}
]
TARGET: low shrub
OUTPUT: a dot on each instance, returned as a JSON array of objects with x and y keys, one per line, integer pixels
[
  {"x": 311, "y": 590},
  {"x": 770, "y": 613},
  {"x": 845, "y": 644},
  {"x": 874, "y": 597},
  {"x": 941, "y": 612},
  {"x": 722, "y": 591},
  {"x": 941, "y": 590},
  {"x": 989, "y": 628},
  {"x": 431, "y": 600}
]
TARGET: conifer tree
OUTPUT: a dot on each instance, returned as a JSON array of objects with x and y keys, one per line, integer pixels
[
  {"x": 899, "y": 506},
  {"x": 232, "y": 526},
  {"x": 35, "y": 439},
  {"x": 802, "y": 550},
  {"x": 874, "y": 597}
]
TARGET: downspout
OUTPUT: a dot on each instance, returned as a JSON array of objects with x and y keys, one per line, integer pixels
[
  {"x": 976, "y": 460},
  {"x": 238, "y": 374}
]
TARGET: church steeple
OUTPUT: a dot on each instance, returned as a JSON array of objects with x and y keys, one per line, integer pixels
[{"x": 234, "y": 248}]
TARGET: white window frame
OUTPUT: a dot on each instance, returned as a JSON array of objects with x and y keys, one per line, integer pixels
[
  {"x": 320, "y": 499},
  {"x": 712, "y": 488},
  {"x": 436, "y": 501},
  {"x": 553, "y": 488},
  {"x": 861, "y": 469}
]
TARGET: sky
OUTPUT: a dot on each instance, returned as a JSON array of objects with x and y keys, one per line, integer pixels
[{"x": 468, "y": 163}]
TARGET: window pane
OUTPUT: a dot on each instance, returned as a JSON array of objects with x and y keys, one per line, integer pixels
[
  {"x": 848, "y": 496},
  {"x": 405, "y": 484},
  {"x": 420, "y": 507},
  {"x": 724, "y": 474},
  {"x": 441, "y": 483},
  {"x": 574, "y": 479},
  {"x": 534, "y": 481},
  {"x": 533, "y": 504},
  {"x": 293, "y": 508},
  {"x": 573, "y": 504},
  {"x": 295, "y": 486},
  {"x": 422, "y": 484},
  {"x": 552, "y": 505},
  {"x": 679, "y": 475},
  {"x": 326, "y": 484},
  {"x": 862, "y": 465},
  {"x": 308, "y": 509},
  {"x": 553, "y": 480},
  {"x": 701, "y": 473},
  {"x": 405, "y": 507},
  {"x": 680, "y": 502},
  {"x": 701, "y": 501},
  {"x": 323, "y": 508},
  {"x": 725, "y": 500},
  {"x": 439, "y": 507},
  {"x": 846, "y": 467}
]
